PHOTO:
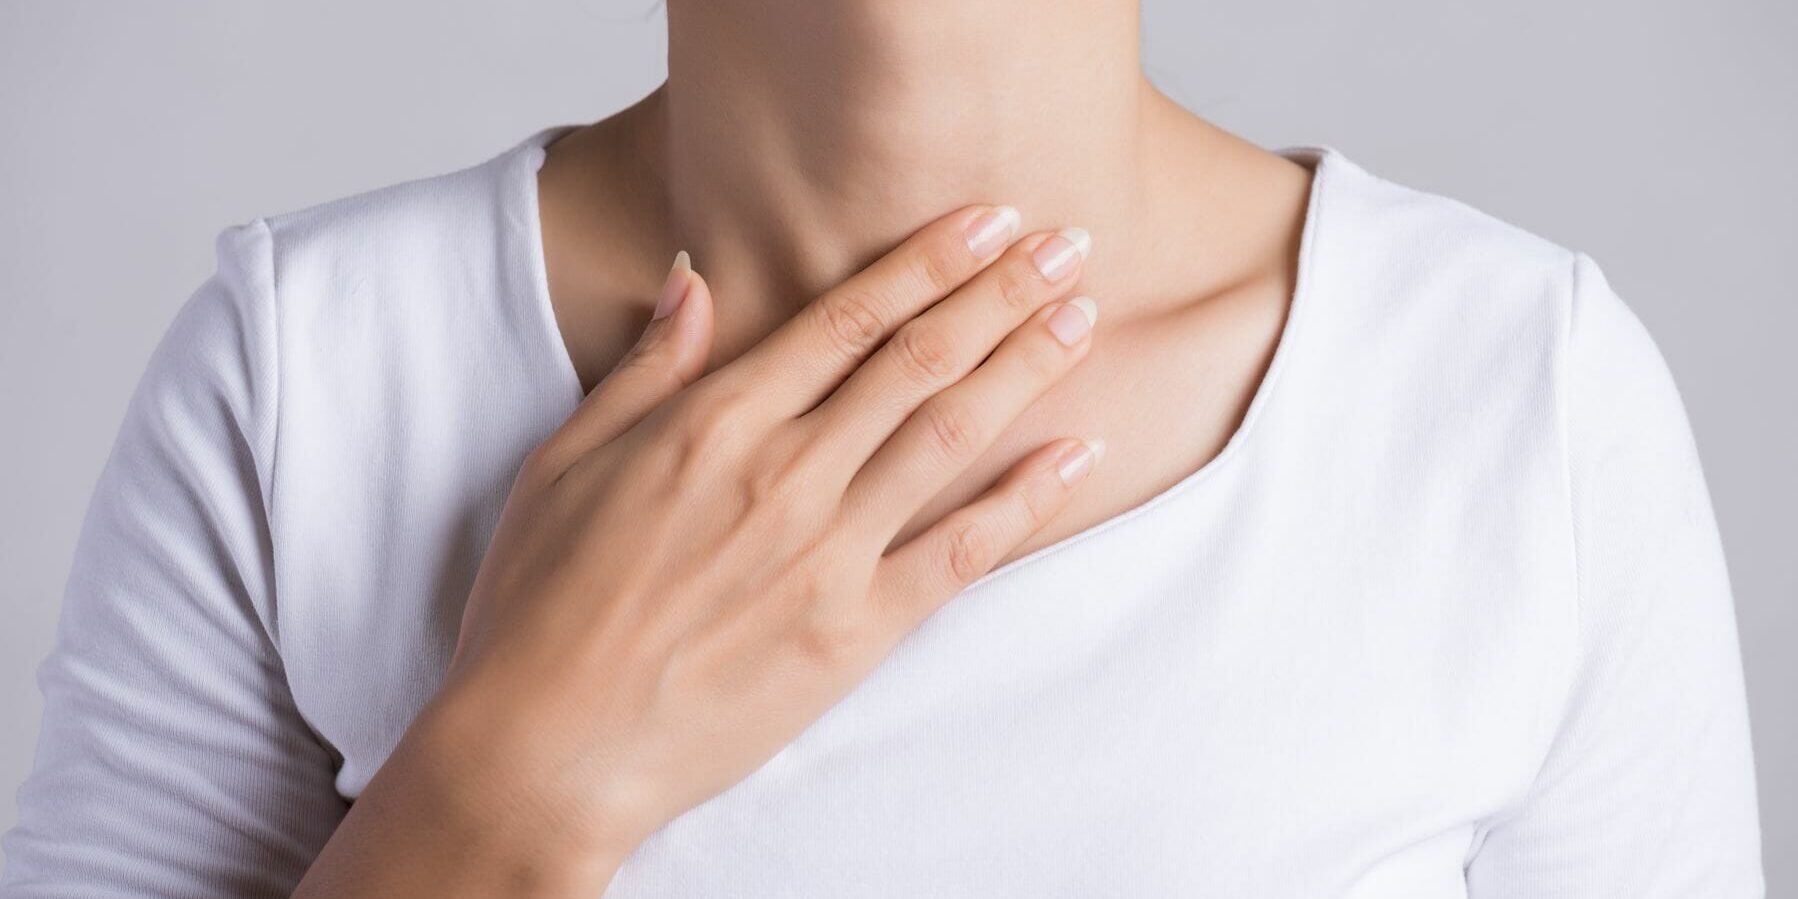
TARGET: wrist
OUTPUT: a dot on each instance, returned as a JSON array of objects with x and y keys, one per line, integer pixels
[
  {"x": 497, "y": 788},
  {"x": 428, "y": 825}
]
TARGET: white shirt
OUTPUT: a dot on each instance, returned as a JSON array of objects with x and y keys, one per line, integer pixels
[{"x": 1447, "y": 617}]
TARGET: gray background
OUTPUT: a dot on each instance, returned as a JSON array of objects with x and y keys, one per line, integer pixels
[{"x": 1658, "y": 137}]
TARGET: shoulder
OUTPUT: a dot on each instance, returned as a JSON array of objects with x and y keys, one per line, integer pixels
[
  {"x": 360, "y": 309},
  {"x": 213, "y": 371},
  {"x": 434, "y": 228},
  {"x": 1468, "y": 302},
  {"x": 1468, "y": 352},
  {"x": 370, "y": 295},
  {"x": 1425, "y": 260},
  {"x": 425, "y": 240}
]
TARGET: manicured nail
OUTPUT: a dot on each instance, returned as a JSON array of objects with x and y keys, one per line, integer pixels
[
  {"x": 1079, "y": 461},
  {"x": 1073, "y": 319},
  {"x": 1058, "y": 255},
  {"x": 993, "y": 231},
  {"x": 675, "y": 290}
]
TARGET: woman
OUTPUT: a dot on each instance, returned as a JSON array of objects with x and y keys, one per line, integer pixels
[{"x": 423, "y": 568}]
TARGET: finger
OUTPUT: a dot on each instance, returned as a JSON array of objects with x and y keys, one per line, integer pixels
[
  {"x": 917, "y": 578},
  {"x": 952, "y": 429},
  {"x": 805, "y": 358},
  {"x": 942, "y": 346},
  {"x": 671, "y": 354}
]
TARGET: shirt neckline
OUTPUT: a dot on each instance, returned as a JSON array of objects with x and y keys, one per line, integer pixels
[{"x": 527, "y": 158}]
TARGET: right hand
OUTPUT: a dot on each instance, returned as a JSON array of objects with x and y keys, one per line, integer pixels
[{"x": 693, "y": 569}]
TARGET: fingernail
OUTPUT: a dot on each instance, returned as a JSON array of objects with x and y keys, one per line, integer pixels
[
  {"x": 1073, "y": 319},
  {"x": 675, "y": 289},
  {"x": 1059, "y": 254},
  {"x": 1079, "y": 461},
  {"x": 993, "y": 231}
]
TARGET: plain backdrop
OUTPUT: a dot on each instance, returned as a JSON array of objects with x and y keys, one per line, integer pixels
[{"x": 1658, "y": 137}]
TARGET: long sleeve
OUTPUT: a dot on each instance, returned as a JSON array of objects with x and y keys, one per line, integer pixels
[
  {"x": 1648, "y": 789},
  {"x": 172, "y": 760}
]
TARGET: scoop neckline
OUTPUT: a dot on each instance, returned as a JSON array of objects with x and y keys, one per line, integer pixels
[{"x": 1323, "y": 162}]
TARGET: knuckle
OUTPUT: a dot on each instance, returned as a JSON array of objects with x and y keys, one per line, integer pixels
[
  {"x": 941, "y": 266},
  {"x": 714, "y": 415},
  {"x": 692, "y": 457},
  {"x": 1019, "y": 285},
  {"x": 780, "y": 505},
  {"x": 720, "y": 395},
  {"x": 656, "y": 360},
  {"x": 924, "y": 353},
  {"x": 705, "y": 431},
  {"x": 775, "y": 488},
  {"x": 784, "y": 504},
  {"x": 1036, "y": 503},
  {"x": 952, "y": 429},
  {"x": 853, "y": 322},
  {"x": 1043, "y": 358},
  {"x": 545, "y": 463},
  {"x": 969, "y": 551},
  {"x": 642, "y": 375},
  {"x": 832, "y": 637},
  {"x": 810, "y": 583}
]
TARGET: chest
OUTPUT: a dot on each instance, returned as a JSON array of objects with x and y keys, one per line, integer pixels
[
  {"x": 1312, "y": 668},
  {"x": 1112, "y": 717},
  {"x": 1207, "y": 696},
  {"x": 1148, "y": 761},
  {"x": 1167, "y": 392}
]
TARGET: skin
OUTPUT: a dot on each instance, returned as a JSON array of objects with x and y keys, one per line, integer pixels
[
  {"x": 796, "y": 141},
  {"x": 760, "y": 497}
]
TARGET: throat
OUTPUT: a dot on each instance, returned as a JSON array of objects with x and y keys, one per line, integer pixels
[
  {"x": 795, "y": 142},
  {"x": 800, "y": 140}
]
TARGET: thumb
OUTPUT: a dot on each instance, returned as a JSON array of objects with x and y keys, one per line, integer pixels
[
  {"x": 671, "y": 353},
  {"x": 678, "y": 340}
]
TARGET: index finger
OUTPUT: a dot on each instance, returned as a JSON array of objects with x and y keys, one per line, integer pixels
[{"x": 804, "y": 359}]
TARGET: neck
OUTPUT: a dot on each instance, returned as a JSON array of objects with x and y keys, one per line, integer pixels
[{"x": 801, "y": 139}]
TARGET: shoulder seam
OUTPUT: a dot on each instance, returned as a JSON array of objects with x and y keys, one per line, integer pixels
[
  {"x": 1563, "y": 362},
  {"x": 1569, "y": 338},
  {"x": 269, "y": 423}
]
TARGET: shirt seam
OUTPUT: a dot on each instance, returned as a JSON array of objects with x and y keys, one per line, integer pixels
[{"x": 1564, "y": 375}]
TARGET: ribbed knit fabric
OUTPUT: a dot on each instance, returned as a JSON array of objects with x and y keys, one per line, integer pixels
[{"x": 1448, "y": 617}]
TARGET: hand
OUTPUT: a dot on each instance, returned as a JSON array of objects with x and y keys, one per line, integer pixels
[{"x": 694, "y": 569}]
